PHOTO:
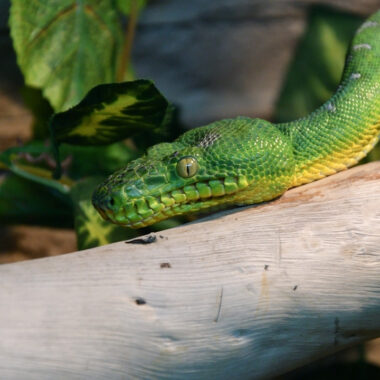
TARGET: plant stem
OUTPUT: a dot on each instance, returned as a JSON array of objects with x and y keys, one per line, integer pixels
[{"x": 129, "y": 37}]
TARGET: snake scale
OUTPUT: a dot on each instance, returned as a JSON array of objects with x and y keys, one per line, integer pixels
[{"x": 244, "y": 161}]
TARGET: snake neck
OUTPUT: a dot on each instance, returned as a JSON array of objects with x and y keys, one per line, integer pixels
[{"x": 344, "y": 129}]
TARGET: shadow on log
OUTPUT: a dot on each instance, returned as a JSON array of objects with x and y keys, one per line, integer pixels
[{"x": 246, "y": 294}]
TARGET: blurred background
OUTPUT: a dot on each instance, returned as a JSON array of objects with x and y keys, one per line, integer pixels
[{"x": 276, "y": 60}]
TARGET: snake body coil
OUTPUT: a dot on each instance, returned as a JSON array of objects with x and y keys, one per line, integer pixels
[{"x": 245, "y": 161}]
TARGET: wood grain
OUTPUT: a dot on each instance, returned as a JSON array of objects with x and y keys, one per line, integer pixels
[{"x": 245, "y": 294}]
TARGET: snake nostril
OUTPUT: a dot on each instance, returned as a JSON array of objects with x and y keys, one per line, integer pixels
[{"x": 112, "y": 202}]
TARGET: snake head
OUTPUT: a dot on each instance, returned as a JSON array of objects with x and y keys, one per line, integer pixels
[
  {"x": 147, "y": 189},
  {"x": 212, "y": 166}
]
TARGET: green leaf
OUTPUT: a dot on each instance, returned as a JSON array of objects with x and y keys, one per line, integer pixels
[
  {"x": 66, "y": 47},
  {"x": 111, "y": 112},
  {"x": 317, "y": 66},
  {"x": 26, "y": 202},
  {"x": 32, "y": 162},
  {"x": 91, "y": 229},
  {"x": 41, "y": 110},
  {"x": 125, "y": 5},
  {"x": 374, "y": 155},
  {"x": 96, "y": 160},
  {"x": 168, "y": 223}
]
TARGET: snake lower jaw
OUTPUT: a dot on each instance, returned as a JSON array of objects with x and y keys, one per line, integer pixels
[
  {"x": 121, "y": 219},
  {"x": 139, "y": 214}
]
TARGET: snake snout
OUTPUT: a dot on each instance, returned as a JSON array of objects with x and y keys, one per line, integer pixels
[{"x": 104, "y": 201}]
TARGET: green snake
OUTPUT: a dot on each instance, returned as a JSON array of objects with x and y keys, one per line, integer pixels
[{"x": 244, "y": 161}]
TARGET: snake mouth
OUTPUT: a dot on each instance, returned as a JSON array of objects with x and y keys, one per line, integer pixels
[{"x": 144, "y": 211}]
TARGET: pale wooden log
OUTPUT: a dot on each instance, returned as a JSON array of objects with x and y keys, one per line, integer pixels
[{"x": 246, "y": 294}]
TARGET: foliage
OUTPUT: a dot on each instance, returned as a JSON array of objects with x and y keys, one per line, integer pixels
[
  {"x": 31, "y": 162},
  {"x": 92, "y": 230},
  {"x": 317, "y": 65},
  {"x": 71, "y": 53},
  {"x": 27, "y": 202},
  {"x": 110, "y": 113},
  {"x": 125, "y": 6},
  {"x": 66, "y": 47}
]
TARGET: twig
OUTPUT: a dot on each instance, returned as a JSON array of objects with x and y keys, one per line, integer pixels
[{"x": 129, "y": 37}]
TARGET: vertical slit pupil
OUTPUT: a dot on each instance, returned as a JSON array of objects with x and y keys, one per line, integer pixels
[{"x": 188, "y": 168}]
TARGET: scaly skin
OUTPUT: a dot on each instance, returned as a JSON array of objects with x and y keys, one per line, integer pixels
[{"x": 246, "y": 161}]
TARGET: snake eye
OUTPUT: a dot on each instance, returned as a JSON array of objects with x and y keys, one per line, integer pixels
[{"x": 187, "y": 167}]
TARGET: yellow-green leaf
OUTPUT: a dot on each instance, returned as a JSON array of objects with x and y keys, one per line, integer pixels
[
  {"x": 110, "y": 113},
  {"x": 91, "y": 229},
  {"x": 23, "y": 162}
]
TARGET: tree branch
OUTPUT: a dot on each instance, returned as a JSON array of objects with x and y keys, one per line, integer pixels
[{"x": 248, "y": 293}]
